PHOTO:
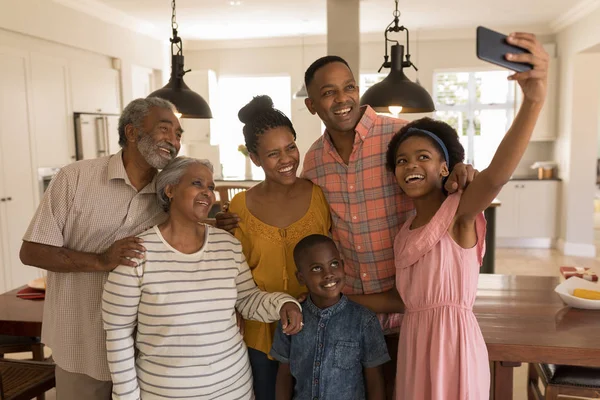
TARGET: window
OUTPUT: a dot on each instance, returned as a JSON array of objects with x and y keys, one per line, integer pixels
[
  {"x": 234, "y": 93},
  {"x": 368, "y": 80},
  {"x": 480, "y": 106}
]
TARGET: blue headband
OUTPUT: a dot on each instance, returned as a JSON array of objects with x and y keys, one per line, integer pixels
[{"x": 435, "y": 138}]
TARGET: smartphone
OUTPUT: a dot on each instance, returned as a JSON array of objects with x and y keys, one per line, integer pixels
[{"x": 493, "y": 47}]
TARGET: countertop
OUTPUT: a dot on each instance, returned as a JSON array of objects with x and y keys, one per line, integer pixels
[{"x": 532, "y": 178}]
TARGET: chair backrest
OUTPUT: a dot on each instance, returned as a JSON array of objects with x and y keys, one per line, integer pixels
[{"x": 226, "y": 192}]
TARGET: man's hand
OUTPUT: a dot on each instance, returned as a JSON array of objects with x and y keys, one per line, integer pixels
[
  {"x": 460, "y": 177},
  {"x": 120, "y": 252},
  {"x": 226, "y": 220},
  {"x": 291, "y": 318},
  {"x": 241, "y": 324}
]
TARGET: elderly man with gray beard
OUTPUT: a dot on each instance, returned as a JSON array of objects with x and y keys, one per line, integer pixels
[{"x": 84, "y": 227}]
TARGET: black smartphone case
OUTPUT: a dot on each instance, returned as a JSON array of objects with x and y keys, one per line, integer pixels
[{"x": 493, "y": 47}]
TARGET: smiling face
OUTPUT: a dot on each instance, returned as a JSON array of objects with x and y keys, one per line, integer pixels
[
  {"x": 321, "y": 269},
  {"x": 420, "y": 166},
  {"x": 159, "y": 139},
  {"x": 277, "y": 154},
  {"x": 194, "y": 195},
  {"x": 333, "y": 95}
]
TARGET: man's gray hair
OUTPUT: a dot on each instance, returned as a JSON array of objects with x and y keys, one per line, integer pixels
[
  {"x": 137, "y": 111},
  {"x": 171, "y": 175}
]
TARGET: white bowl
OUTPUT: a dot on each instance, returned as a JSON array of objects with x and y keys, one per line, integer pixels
[{"x": 565, "y": 291}]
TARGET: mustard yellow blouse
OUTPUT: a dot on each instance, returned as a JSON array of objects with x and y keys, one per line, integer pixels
[{"x": 269, "y": 252}]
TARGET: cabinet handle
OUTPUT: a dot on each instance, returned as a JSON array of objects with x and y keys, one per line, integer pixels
[
  {"x": 3, "y": 199},
  {"x": 8, "y": 198}
]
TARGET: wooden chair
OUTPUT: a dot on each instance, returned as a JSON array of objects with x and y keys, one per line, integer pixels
[
  {"x": 24, "y": 380},
  {"x": 226, "y": 192},
  {"x": 23, "y": 344},
  {"x": 562, "y": 380}
]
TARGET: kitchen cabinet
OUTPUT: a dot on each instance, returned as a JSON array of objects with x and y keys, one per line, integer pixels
[
  {"x": 95, "y": 89},
  {"x": 142, "y": 81},
  {"x": 528, "y": 213},
  {"x": 52, "y": 111},
  {"x": 545, "y": 128},
  {"x": 203, "y": 82},
  {"x": 17, "y": 179}
]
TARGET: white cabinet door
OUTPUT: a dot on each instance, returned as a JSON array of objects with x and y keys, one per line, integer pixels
[
  {"x": 537, "y": 209},
  {"x": 545, "y": 128},
  {"x": 203, "y": 82},
  {"x": 17, "y": 180},
  {"x": 507, "y": 224},
  {"x": 52, "y": 112},
  {"x": 95, "y": 90},
  {"x": 142, "y": 81}
]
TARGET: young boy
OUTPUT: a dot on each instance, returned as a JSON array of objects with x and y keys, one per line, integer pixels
[{"x": 339, "y": 352}]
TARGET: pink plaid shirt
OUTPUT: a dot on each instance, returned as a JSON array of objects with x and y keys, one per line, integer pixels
[{"x": 367, "y": 206}]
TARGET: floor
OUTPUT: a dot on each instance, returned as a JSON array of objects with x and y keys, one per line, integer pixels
[{"x": 536, "y": 262}]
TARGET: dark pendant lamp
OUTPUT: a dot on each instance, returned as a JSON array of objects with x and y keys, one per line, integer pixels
[
  {"x": 396, "y": 93},
  {"x": 189, "y": 103}
]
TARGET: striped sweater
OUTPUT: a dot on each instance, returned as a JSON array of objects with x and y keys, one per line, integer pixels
[{"x": 183, "y": 306}]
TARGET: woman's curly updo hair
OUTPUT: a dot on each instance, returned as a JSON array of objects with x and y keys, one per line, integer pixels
[
  {"x": 258, "y": 116},
  {"x": 442, "y": 130}
]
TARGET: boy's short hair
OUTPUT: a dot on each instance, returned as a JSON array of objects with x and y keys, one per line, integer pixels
[{"x": 307, "y": 243}]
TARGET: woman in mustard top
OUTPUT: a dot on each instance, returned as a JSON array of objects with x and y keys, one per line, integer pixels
[{"x": 274, "y": 216}]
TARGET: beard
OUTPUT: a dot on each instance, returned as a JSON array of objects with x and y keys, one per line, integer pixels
[{"x": 152, "y": 152}]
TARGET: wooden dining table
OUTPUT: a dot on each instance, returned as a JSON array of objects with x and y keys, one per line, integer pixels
[
  {"x": 521, "y": 317},
  {"x": 20, "y": 317},
  {"x": 524, "y": 321}
]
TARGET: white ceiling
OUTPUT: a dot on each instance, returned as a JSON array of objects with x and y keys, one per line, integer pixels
[{"x": 218, "y": 19}]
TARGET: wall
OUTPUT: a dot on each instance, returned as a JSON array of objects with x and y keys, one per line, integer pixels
[
  {"x": 291, "y": 57},
  {"x": 57, "y": 24},
  {"x": 579, "y": 99}
]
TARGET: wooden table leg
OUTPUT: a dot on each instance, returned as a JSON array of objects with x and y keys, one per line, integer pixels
[{"x": 502, "y": 380}]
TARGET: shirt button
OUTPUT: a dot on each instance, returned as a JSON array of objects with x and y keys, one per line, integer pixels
[
  {"x": 364, "y": 274},
  {"x": 320, "y": 345},
  {"x": 322, "y": 325},
  {"x": 316, "y": 381},
  {"x": 354, "y": 217},
  {"x": 358, "y": 247},
  {"x": 351, "y": 187},
  {"x": 317, "y": 363}
]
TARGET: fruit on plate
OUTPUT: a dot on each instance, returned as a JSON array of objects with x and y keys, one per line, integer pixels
[{"x": 587, "y": 294}]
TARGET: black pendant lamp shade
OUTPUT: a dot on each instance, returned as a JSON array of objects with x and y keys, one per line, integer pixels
[
  {"x": 396, "y": 93},
  {"x": 396, "y": 90},
  {"x": 189, "y": 103}
]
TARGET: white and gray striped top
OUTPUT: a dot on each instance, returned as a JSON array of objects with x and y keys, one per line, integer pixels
[{"x": 183, "y": 306}]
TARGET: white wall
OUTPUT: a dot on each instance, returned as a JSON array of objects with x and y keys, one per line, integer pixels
[
  {"x": 579, "y": 105},
  {"x": 55, "y": 24},
  {"x": 290, "y": 57}
]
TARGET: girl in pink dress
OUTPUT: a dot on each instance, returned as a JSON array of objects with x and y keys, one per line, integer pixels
[{"x": 438, "y": 251}]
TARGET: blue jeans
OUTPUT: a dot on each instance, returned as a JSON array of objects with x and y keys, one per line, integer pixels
[{"x": 264, "y": 372}]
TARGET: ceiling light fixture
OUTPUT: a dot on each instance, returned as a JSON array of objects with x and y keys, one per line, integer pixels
[
  {"x": 396, "y": 93},
  {"x": 302, "y": 93},
  {"x": 189, "y": 103}
]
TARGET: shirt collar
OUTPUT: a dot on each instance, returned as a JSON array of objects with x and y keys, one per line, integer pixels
[
  {"x": 362, "y": 129},
  {"x": 326, "y": 312},
  {"x": 116, "y": 170}
]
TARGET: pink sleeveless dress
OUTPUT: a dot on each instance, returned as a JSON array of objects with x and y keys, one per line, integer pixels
[{"x": 441, "y": 354}]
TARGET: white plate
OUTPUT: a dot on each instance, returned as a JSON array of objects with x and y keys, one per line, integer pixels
[
  {"x": 565, "y": 291},
  {"x": 39, "y": 283}
]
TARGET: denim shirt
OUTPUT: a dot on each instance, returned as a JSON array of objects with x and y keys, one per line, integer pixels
[{"x": 327, "y": 357}]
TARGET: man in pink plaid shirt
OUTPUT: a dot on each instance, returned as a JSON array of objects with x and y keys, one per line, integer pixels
[{"x": 348, "y": 163}]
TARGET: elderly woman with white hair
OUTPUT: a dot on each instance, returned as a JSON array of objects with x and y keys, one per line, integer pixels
[{"x": 182, "y": 298}]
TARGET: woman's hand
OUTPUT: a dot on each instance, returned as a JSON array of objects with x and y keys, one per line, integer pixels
[{"x": 291, "y": 318}]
